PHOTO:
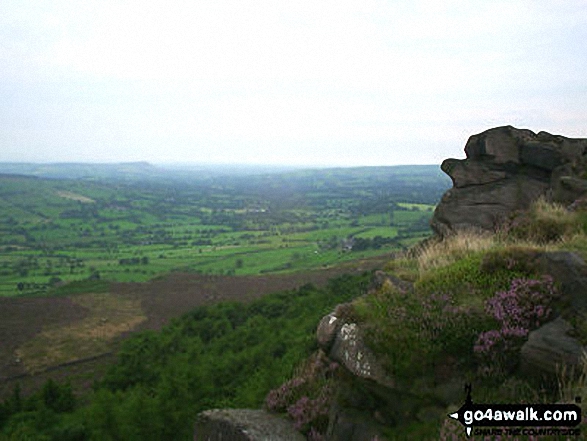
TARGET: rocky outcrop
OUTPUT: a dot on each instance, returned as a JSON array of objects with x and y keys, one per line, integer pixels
[
  {"x": 549, "y": 348},
  {"x": 368, "y": 397},
  {"x": 341, "y": 339},
  {"x": 505, "y": 170},
  {"x": 350, "y": 351},
  {"x": 244, "y": 425},
  {"x": 555, "y": 343},
  {"x": 570, "y": 271}
]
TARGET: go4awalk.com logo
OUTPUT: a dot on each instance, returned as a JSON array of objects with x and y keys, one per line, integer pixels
[{"x": 518, "y": 419}]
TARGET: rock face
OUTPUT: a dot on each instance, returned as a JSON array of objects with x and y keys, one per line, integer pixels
[
  {"x": 505, "y": 170},
  {"x": 244, "y": 425}
]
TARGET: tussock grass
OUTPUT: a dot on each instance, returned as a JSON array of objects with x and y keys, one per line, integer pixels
[
  {"x": 576, "y": 242},
  {"x": 403, "y": 267},
  {"x": 546, "y": 226},
  {"x": 572, "y": 382},
  {"x": 455, "y": 247},
  {"x": 544, "y": 222}
]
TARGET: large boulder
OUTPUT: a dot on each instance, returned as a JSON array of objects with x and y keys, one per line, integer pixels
[
  {"x": 350, "y": 350},
  {"x": 244, "y": 425},
  {"x": 570, "y": 272},
  {"x": 504, "y": 171},
  {"x": 549, "y": 348}
]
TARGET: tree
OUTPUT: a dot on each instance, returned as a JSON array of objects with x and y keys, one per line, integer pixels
[{"x": 58, "y": 398}]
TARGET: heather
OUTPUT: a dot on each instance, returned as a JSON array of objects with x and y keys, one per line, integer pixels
[
  {"x": 521, "y": 309},
  {"x": 307, "y": 397},
  {"x": 465, "y": 308},
  {"x": 474, "y": 300}
]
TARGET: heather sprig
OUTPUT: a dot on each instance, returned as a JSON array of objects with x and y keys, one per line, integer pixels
[
  {"x": 307, "y": 411},
  {"x": 278, "y": 399},
  {"x": 517, "y": 311},
  {"x": 307, "y": 397}
]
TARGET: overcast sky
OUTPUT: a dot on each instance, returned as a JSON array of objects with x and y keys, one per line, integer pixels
[{"x": 307, "y": 82}]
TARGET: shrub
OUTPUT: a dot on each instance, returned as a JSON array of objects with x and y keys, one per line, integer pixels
[
  {"x": 518, "y": 259},
  {"x": 412, "y": 332},
  {"x": 468, "y": 280},
  {"x": 517, "y": 311},
  {"x": 307, "y": 397}
]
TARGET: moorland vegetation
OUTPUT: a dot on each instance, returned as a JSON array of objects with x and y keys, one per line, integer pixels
[
  {"x": 473, "y": 300},
  {"x": 69, "y": 244},
  {"x": 265, "y": 353},
  {"x": 457, "y": 309}
]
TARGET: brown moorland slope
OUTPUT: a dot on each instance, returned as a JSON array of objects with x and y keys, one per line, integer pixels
[{"x": 75, "y": 337}]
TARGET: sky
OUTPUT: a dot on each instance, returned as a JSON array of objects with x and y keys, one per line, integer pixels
[{"x": 303, "y": 82}]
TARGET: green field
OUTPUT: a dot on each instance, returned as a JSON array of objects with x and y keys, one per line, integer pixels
[{"x": 115, "y": 228}]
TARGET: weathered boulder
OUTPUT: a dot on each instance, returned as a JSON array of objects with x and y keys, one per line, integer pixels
[
  {"x": 244, "y": 425},
  {"x": 466, "y": 173},
  {"x": 482, "y": 207},
  {"x": 568, "y": 189},
  {"x": 549, "y": 348},
  {"x": 505, "y": 170},
  {"x": 350, "y": 351},
  {"x": 327, "y": 330},
  {"x": 570, "y": 272},
  {"x": 381, "y": 278},
  {"x": 352, "y": 425},
  {"x": 499, "y": 144}
]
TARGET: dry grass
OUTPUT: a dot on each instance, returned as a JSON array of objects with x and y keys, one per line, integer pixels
[
  {"x": 572, "y": 382},
  {"x": 549, "y": 212},
  {"x": 109, "y": 316},
  {"x": 404, "y": 268},
  {"x": 545, "y": 226},
  {"x": 453, "y": 248},
  {"x": 543, "y": 223}
]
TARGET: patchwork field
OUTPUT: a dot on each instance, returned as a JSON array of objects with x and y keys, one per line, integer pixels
[
  {"x": 86, "y": 262},
  {"x": 55, "y": 231}
]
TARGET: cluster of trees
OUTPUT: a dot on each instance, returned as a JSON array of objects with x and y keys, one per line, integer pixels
[
  {"x": 28, "y": 286},
  {"x": 361, "y": 244},
  {"x": 223, "y": 355},
  {"x": 134, "y": 261},
  {"x": 35, "y": 417}
]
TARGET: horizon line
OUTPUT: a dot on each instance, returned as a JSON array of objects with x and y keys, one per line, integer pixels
[{"x": 207, "y": 164}]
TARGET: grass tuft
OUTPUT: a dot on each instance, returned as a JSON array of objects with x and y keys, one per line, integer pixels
[
  {"x": 544, "y": 222},
  {"x": 453, "y": 248}
]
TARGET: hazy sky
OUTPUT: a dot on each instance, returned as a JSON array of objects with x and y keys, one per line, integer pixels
[{"x": 288, "y": 82}]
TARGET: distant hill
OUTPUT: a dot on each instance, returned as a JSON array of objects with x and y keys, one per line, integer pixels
[
  {"x": 129, "y": 170},
  {"x": 136, "y": 171}
]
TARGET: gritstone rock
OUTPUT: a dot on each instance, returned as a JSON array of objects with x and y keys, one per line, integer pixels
[{"x": 504, "y": 171}]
